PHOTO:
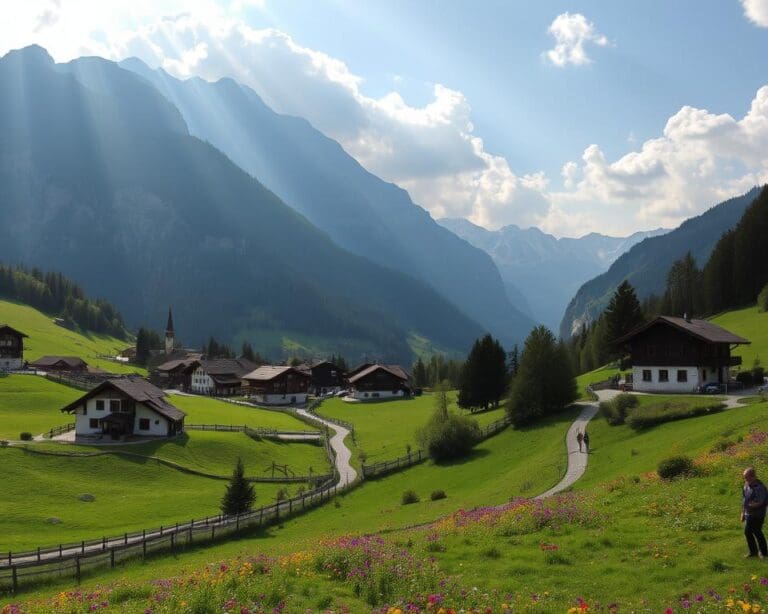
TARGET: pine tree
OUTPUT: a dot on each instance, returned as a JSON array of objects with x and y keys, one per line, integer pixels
[
  {"x": 683, "y": 295},
  {"x": 514, "y": 362},
  {"x": 247, "y": 352},
  {"x": 545, "y": 383},
  {"x": 484, "y": 376},
  {"x": 622, "y": 315},
  {"x": 239, "y": 496},
  {"x": 419, "y": 373}
]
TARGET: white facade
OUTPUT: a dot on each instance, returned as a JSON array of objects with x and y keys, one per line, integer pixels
[
  {"x": 201, "y": 382},
  {"x": 675, "y": 379},
  {"x": 11, "y": 364},
  {"x": 146, "y": 422},
  {"x": 372, "y": 395},
  {"x": 296, "y": 398}
]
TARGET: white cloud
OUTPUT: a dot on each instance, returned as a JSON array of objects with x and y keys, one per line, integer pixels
[
  {"x": 756, "y": 11},
  {"x": 572, "y": 33}
]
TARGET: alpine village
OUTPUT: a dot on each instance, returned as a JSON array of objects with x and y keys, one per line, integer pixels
[{"x": 274, "y": 340}]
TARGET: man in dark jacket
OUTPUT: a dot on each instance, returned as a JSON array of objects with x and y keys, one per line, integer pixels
[{"x": 754, "y": 502}]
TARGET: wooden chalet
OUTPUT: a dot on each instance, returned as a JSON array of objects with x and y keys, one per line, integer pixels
[
  {"x": 378, "y": 382},
  {"x": 126, "y": 406},
  {"x": 326, "y": 377},
  {"x": 11, "y": 348},
  {"x": 175, "y": 374},
  {"x": 277, "y": 385},
  {"x": 220, "y": 376},
  {"x": 672, "y": 354},
  {"x": 59, "y": 364}
]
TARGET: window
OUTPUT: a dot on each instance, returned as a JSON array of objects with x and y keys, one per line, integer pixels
[
  {"x": 647, "y": 375},
  {"x": 157, "y": 422},
  {"x": 114, "y": 405},
  {"x": 143, "y": 424},
  {"x": 663, "y": 375},
  {"x": 93, "y": 423},
  {"x": 682, "y": 375},
  {"x": 100, "y": 405}
]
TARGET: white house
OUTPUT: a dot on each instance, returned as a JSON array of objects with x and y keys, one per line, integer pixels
[
  {"x": 672, "y": 354},
  {"x": 378, "y": 382},
  {"x": 219, "y": 376},
  {"x": 125, "y": 406}
]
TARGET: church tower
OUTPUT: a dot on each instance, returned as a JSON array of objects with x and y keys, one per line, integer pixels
[{"x": 169, "y": 336}]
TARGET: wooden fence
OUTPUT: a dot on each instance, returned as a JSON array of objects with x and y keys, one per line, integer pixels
[
  {"x": 58, "y": 430},
  {"x": 72, "y": 560},
  {"x": 258, "y": 432}
]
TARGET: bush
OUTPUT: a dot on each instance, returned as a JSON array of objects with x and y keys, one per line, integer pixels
[
  {"x": 449, "y": 436},
  {"x": 667, "y": 411},
  {"x": 409, "y": 496},
  {"x": 758, "y": 375},
  {"x": 437, "y": 495},
  {"x": 675, "y": 466},
  {"x": 745, "y": 377},
  {"x": 26, "y": 436},
  {"x": 615, "y": 411}
]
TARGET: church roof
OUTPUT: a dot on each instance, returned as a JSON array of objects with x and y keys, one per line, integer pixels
[{"x": 169, "y": 325}]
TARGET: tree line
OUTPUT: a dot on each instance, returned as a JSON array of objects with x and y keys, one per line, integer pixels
[{"x": 58, "y": 296}]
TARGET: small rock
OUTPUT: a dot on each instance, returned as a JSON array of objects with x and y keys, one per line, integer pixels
[
  {"x": 87, "y": 498},
  {"x": 53, "y": 520}
]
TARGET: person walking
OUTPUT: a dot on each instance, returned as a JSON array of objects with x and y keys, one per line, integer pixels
[
  {"x": 753, "y": 504},
  {"x": 579, "y": 438},
  {"x": 586, "y": 441}
]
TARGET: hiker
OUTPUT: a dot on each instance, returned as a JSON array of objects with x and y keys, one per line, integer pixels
[
  {"x": 586, "y": 441},
  {"x": 579, "y": 438},
  {"x": 754, "y": 501}
]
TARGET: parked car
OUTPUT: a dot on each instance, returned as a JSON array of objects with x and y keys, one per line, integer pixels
[{"x": 711, "y": 388}]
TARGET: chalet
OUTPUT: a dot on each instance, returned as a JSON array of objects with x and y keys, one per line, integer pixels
[
  {"x": 220, "y": 376},
  {"x": 377, "y": 382},
  {"x": 58, "y": 364},
  {"x": 11, "y": 348},
  {"x": 672, "y": 354},
  {"x": 126, "y": 406},
  {"x": 277, "y": 385},
  {"x": 175, "y": 374},
  {"x": 326, "y": 377}
]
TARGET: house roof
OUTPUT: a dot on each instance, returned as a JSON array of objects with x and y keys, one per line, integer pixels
[
  {"x": 227, "y": 366},
  {"x": 395, "y": 370},
  {"x": 172, "y": 365},
  {"x": 267, "y": 373},
  {"x": 701, "y": 329},
  {"x": 138, "y": 389},
  {"x": 6, "y": 327},
  {"x": 359, "y": 368},
  {"x": 49, "y": 361}
]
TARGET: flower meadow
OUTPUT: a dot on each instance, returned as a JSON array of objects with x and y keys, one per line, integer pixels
[{"x": 636, "y": 544}]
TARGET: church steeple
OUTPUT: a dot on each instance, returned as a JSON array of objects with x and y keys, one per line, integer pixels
[{"x": 169, "y": 335}]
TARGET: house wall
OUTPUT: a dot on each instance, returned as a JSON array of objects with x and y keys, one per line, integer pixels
[
  {"x": 655, "y": 385},
  {"x": 298, "y": 398},
  {"x": 158, "y": 425},
  {"x": 9, "y": 364},
  {"x": 201, "y": 382},
  {"x": 372, "y": 395}
]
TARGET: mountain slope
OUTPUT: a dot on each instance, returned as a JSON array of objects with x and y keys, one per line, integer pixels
[
  {"x": 359, "y": 211},
  {"x": 540, "y": 270},
  {"x": 646, "y": 265},
  {"x": 107, "y": 184}
]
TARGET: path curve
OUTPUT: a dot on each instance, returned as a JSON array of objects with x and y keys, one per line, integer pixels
[{"x": 347, "y": 473}]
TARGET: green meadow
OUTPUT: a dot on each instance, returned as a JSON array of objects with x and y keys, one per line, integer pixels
[
  {"x": 30, "y": 403},
  {"x": 752, "y": 325},
  {"x": 202, "y": 410}
]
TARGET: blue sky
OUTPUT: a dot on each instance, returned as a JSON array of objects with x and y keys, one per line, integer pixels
[{"x": 641, "y": 119}]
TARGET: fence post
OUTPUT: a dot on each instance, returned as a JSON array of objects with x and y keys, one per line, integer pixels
[
  {"x": 60, "y": 551},
  {"x": 38, "y": 554},
  {"x": 104, "y": 543},
  {"x": 82, "y": 547}
]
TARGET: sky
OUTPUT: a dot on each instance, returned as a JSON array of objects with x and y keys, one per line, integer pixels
[{"x": 570, "y": 116}]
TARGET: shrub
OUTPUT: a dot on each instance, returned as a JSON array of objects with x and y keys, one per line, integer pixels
[
  {"x": 615, "y": 411},
  {"x": 667, "y": 411},
  {"x": 722, "y": 445},
  {"x": 26, "y": 436},
  {"x": 437, "y": 495},
  {"x": 745, "y": 377},
  {"x": 758, "y": 375},
  {"x": 675, "y": 466},
  {"x": 409, "y": 496},
  {"x": 449, "y": 436}
]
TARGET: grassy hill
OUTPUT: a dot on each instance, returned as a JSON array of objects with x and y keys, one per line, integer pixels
[
  {"x": 30, "y": 403},
  {"x": 45, "y": 337},
  {"x": 752, "y": 325}
]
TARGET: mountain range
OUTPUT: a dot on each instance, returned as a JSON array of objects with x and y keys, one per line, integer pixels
[
  {"x": 541, "y": 272},
  {"x": 101, "y": 179},
  {"x": 647, "y": 264}
]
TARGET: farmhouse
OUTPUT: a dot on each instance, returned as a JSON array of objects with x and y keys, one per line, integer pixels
[
  {"x": 125, "y": 406},
  {"x": 672, "y": 354},
  {"x": 220, "y": 377},
  {"x": 379, "y": 382},
  {"x": 277, "y": 385},
  {"x": 175, "y": 373},
  {"x": 326, "y": 377},
  {"x": 11, "y": 348},
  {"x": 71, "y": 364}
]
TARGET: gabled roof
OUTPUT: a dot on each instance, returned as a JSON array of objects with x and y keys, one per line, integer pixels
[
  {"x": 395, "y": 370},
  {"x": 700, "y": 329},
  {"x": 172, "y": 365},
  {"x": 227, "y": 366},
  {"x": 48, "y": 361},
  {"x": 6, "y": 327},
  {"x": 267, "y": 373},
  {"x": 359, "y": 368},
  {"x": 138, "y": 389}
]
